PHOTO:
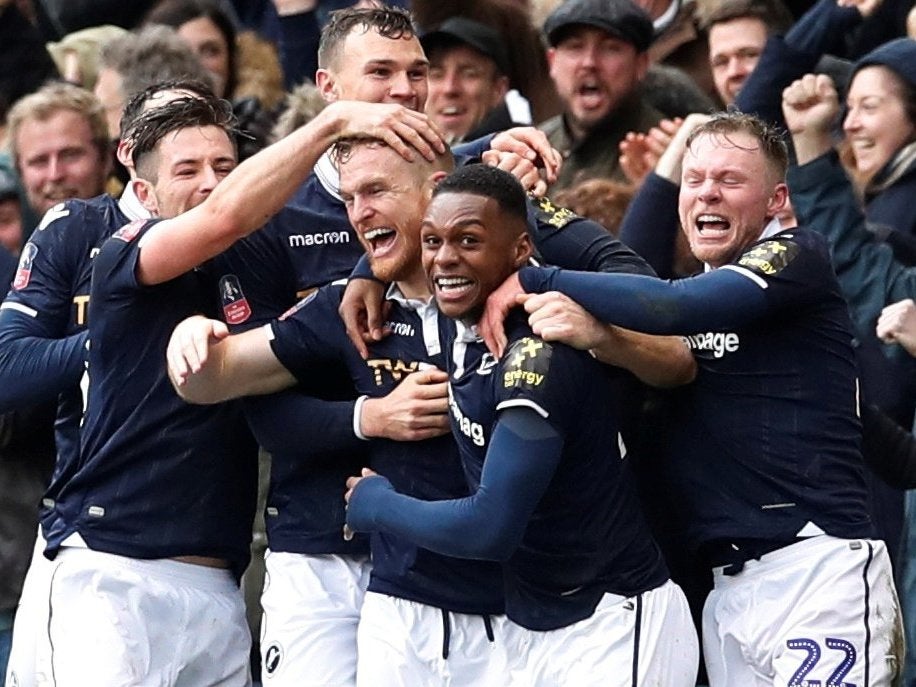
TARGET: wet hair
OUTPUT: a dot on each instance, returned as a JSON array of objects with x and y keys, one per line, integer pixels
[
  {"x": 137, "y": 102},
  {"x": 771, "y": 140},
  {"x": 388, "y": 22},
  {"x": 488, "y": 182},
  {"x": 176, "y": 13},
  {"x": 48, "y": 101},
  {"x": 150, "y": 127}
]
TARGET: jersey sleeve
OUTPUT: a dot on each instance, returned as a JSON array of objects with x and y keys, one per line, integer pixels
[
  {"x": 567, "y": 240},
  {"x": 42, "y": 285},
  {"x": 522, "y": 457},
  {"x": 310, "y": 333},
  {"x": 544, "y": 377},
  {"x": 716, "y": 300}
]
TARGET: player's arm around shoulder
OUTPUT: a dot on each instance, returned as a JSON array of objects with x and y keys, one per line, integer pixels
[
  {"x": 662, "y": 361},
  {"x": 207, "y": 365}
]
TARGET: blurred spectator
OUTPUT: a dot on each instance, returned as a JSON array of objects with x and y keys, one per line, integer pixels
[
  {"x": 301, "y": 104},
  {"x": 597, "y": 60},
  {"x": 209, "y": 30},
  {"x": 59, "y": 142},
  {"x": 678, "y": 40},
  {"x": 77, "y": 54},
  {"x": 527, "y": 60},
  {"x": 468, "y": 82},
  {"x": 737, "y": 32},
  {"x": 10, "y": 219},
  {"x": 602, "y": 200},
  {"x": 133, "y": 61}
]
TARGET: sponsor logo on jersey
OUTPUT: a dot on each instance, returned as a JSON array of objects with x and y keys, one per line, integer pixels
[
  {"x": 770, "y": 257},
  {"x": 556, "y": 216},
  {"x": 129, "y": 232},
  {"x": 273, "y": 656},
  {"x": 471, "y": 429},
  {"x": 24, "y": 269},
  {"x": 527, "y": 362},
  {"x": 396, "y": 369},
  {"x": 55, "y": 213},
  {"x": 235, "y": 306},
  {"x": 320, "y": 239},
  {"x": 719, "y": 343},
  {"x": 401, "y": 328}
]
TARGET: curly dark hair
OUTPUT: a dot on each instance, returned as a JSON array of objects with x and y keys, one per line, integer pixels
[{"x": 488, "y": 182}]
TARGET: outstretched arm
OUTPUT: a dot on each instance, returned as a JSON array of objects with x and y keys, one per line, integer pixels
[
  {"x": 206, "y": 365},
  {"x": 261, "y": 185},
  {"x": 522, "y": 457}
]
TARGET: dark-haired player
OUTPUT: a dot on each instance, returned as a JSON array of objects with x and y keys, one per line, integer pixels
[
  {"x": 587, "y": 594},
  {"x": 764, "y": 460},
  {"x": 43, "y": 330},
  {"x": 163, "y": 495}
]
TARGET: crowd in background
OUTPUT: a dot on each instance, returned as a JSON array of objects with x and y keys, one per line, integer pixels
[{"x": 614, "y": 86}]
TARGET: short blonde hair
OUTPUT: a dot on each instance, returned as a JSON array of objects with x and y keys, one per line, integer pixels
[{"x": 48, "y": 101}]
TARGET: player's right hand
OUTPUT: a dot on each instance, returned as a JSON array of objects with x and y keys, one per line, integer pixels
[
  {"x": 363, "y": 310},
  {"x": 406, "y": 131},
  {"x": 189, "y": 346},
  {"x": 416, "y": 409},
  {"x": 492, "y": 323}
]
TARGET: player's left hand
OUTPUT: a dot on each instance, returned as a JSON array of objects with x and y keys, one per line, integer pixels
[
  {"x": 189, "y": 346},
  {"x": 556, "y": 317},
  {"x": 491, "y": 325},
  {"x": 354, "y": 480}
]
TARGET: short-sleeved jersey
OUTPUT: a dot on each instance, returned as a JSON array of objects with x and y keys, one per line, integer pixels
[
  {"x": 767, "y": 438},
  {"x": 427, "y": 469},
  {"x": 157, "y": 477},
  {"x": 587, "y": 535},
  {"x": 307, "y": 244},
  {"x": 51, "y": 286}
]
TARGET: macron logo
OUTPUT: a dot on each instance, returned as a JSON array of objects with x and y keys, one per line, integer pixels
[{"x": 327, "y": 238}]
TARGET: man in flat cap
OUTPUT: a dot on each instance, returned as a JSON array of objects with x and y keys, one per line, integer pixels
[
  {"x": 469, "y": 94},
  {"x": 598, "y": 58}
]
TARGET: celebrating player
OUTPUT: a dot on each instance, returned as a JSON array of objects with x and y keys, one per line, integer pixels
[
  {"x": 764, "y": 457},
  {"x": 587, "y": 594}
]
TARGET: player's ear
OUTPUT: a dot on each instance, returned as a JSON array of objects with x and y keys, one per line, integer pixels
[
  {"x": 146, "y": 194},
  {"x": 779, "y": 201},
  {"x": 523, "y": 249},
  {"x": 327, "y": 85}
]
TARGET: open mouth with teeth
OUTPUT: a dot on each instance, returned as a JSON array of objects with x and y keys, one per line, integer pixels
[
  {"x": 380, "y": 239},
  {"x": 452, "y": 289},
  {"x": 712, "y": 224},
  {"x": 590, "y": 93}
]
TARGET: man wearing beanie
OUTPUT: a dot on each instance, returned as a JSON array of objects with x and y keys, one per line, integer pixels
[{"x": 598, "y": 59}]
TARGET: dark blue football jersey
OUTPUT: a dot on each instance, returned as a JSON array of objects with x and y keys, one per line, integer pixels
[
  {"x": 427, "y": 469},
  {"x": 157, "y": 477},
  {"x": 766, "y": 441},
  {"x": 587, "y": 535},
  {"x": 50, "y": 300},
  {"x": 769, "y": 438},
  {"x": 307, "y": 244}
]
